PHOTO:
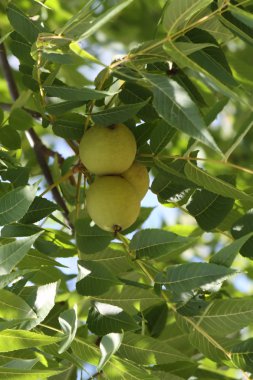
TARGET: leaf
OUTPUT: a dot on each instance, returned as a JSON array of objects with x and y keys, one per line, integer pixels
[
  {"x": 68, "y": 321},
  {"x": 154, "y": 243},
  {"x": 148, "y": 351},
  {"x": 69, "y": 126},
  {"x": 243, "y": 16},
  {"x": 7, "y": 279},
  {"x": 39, "y": 209},
  {"x": 117, "y": 114},
  {"x": 22, "y": 24},
  {"x": 31, "y": 374},
  {"x": 161, "y": 136},
  {"x": 14, "y": 204},
  {"x": 17, "y": 176},
  {"x": 104, "y": 318},
  {"x": 14, "y": 307},
  {"x": 185, "y": 277},
  {"x": 42, "y": 300},
  {"x": 91, "y": 239},
  {"x": 118, "y": 368},
  {"x": 212, "y": 59},
  {"x": 11, "y": 340},
  {"x": 215, "y": 184},
  {"x": 190, "y": 47},
  {"x": 109, "y": 344},
  {"x": 209, "y": 209},
  {"x": 129, "y": 298},
  {"x": 175, "y": 107},
  {"x": 85, "y": 350},
  {"x": 178, "y": 13},
  {"x": 237, "y": 27},
  {"x": 74, "y": 46},
  {"x": 74, "y": 94},
  {"x": 20, "y": 119},
  {"x": 12, "y": 253},
  {"x": 95, "y": 24},
  {"x": 115, "y": 260},
  {"x": 223, "y": 317},
  {"x": 184, "y": 61},
  {"x": 10, "y": 138},
  {"x": 62, "y": 107},
  {"x": 227, "y": 254},
  {"x": 243, "y": 226},
  {"x": 94, "y": 278},
  {"x": 242, "y": 354}
]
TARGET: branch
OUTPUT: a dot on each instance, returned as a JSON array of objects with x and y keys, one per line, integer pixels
[{"x": 40, "y": 149}]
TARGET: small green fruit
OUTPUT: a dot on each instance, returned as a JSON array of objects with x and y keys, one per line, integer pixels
[
  {"x": 138, "y": 176},
  {"x": 107, "y": 150},
  {"x": 112, "y": 203}
]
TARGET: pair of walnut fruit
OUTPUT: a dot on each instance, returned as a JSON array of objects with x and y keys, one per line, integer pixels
[{"x": 113, "y": 199}]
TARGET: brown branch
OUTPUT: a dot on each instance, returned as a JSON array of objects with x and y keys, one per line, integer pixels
[{"x": 40, "y": 149}]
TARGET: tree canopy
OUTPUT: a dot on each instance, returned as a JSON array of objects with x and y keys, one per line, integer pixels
[{"x": 169, "y": 301}]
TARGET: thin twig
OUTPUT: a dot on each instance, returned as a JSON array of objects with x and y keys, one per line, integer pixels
[{"x": 39, "y": 148}]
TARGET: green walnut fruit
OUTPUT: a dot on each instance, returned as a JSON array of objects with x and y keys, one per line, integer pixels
[
  {"x": 138, "y": 176},
  {"x": 112, "y": 203},
  {"x": 107, "y": 150}
]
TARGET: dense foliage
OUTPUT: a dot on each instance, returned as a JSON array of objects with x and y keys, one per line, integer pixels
[{"x": 147, "y": 303}]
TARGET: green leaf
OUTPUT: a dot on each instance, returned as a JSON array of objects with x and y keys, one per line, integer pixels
[
  {"x": 161, "y": 136},
  {"x": 17, "y": 176},
  {"x": 62, "y": 107},
  {"x": 154, "y": 243},
  {"x": 91, "y": 239},
  {"x": 109, "y": 344},
  {"x": 209, "y": 209},
  {"x": 22, "y": 24},
  {"x": 68, "y": 322},
  {"x": 42, "y": 300},
  {"x": 39, "y": 209},
  {"x": 242, "y": 355},
  {"x": 94, "y": 278},
  {"x": 74, "y": 46},
  {"x": 212, "y": 59},
  {"x": 190, "y": 47},
  {"x": 117, "y": 114},
  {"x": 6, "y": 279},
  {"x": 12, "y": 253},
  {"x": 115, "y": 260},
  {"x": 80, "y": 27},
  {"x": 14, "y": 307},
  {"x": 85, "y": 350},
  {"x": 185, "y": 277},
  {"x": 178, "y": 13},
  {"x": 149, "y": 351},
  {"x": 69, "y": 126},
  {"x": 104, "y": 318},
  {"x": 184, "y": 61},
  {"x": 215, "y": 184},
  {"x": 20, "y": 119},
  {"x": 227, "y": 254},
  {"x": 118, "y": 368},
  {"x": 35, "y": 259},
  {"x": 11, "y": 340},
  {"x": 15, "y": 204},
  {"x": 176, "y": 108},
  {"x": 223, "y": 317},
  {"x": 243, "y": 226},
  {"x": 237, "y": 27},
  {"x": 129, "y": 298},
  {"x": 75, "y": 94},
  {"x": 31, "y": 374},
  {"x": 10, "y": 138}
]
